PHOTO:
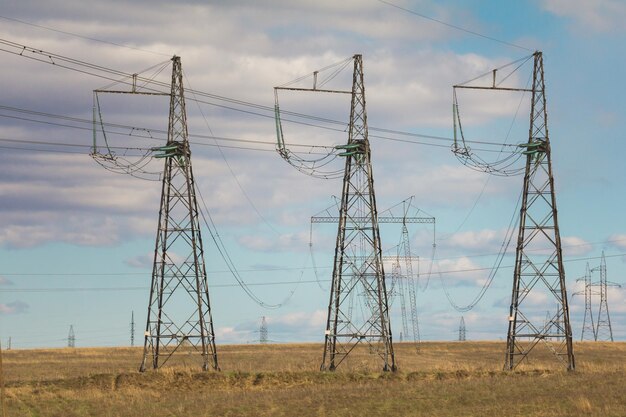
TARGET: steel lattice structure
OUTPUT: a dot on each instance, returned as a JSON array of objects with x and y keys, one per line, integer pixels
[
  {"x": 263, "y": 331},
  {"x": 538, "y": 271},
  {"x": 410, "y": 284},
  {"x": 462, "y": 330},
  {"x": 589, "y": 326},
  {"x": 71, "y": 337},
  {"x": 603, "y": 329},
  {"x": 179, "y": 311},
  {"x": 358, "y": 266}
]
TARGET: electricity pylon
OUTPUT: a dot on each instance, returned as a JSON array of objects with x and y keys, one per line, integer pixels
[
  {"x": 462, "y": 330},
  {"x": 263, "y": 331},
  {"x": 358, "y": 267},
  {"x": 71, "y": 337},
  {"x": 132, "y": 328},
  {"x": 589, "y": 327},
  {"x": 538, "y": 272},
  {"x": 179, "y": 311},
  {"x": 603, "y": 330},
  {"x": 397, "y": 290},
  {"x": 410, "y": 284}
]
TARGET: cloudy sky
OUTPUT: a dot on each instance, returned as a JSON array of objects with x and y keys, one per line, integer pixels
[{"x": 76, "y": 239}]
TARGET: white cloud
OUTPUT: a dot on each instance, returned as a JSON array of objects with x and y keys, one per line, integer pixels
[
  {"x": 597, "y": 15},
  {"x": 575, "y": 246},
  {"x": 15, "y": 307},
  {"x": 5, "y": 281},
  {"x": 617, "y": 241}
]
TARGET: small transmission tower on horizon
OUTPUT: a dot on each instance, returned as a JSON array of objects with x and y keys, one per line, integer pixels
[
  {"x": 603, "y": 329},
  {"x": 263, "y": 339},
  {"x": 462, "y": 330},
  {"x": 71, "y": 337},
  {"x": 179, "y": 310},
  {"x": 589, "y": 326},
  {"x": 132, "y": 328}
]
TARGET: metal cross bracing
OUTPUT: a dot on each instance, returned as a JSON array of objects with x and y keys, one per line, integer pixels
[
  {"x": 179, "y": 311},
  {"x": 403, "y": 284},
  {"x": 539, "y": 268}
]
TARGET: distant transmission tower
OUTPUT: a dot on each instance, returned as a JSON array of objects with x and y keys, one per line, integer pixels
[
  {"x": 589, "y": 327},
  {"x": 397, "y": 291},
  {"x": 410, "y": 283},
  {"x": 462, "y": 330},
  {"x": 537, "y": 270},
  {"x": 263, "y": 331},
  {"x": 71, "y": 337},
  {"x": 604, "y": 332},
  {"x": 132, "y": 328},
  {"x": 179, "y": 311}
]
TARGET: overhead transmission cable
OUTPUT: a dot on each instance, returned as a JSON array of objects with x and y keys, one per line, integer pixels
[
  {"x": 494, "y": 270},
  {"x": 12, "y": 19},
  {"x": 506, "y": 165},
  {"x": 161, "y": 87},
  {"x": 450, "y": 25}
]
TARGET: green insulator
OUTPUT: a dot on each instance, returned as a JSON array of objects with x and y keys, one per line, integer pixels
[{"x": 349, "y": 146}]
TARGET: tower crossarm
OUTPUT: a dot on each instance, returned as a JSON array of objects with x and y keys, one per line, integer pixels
[{"x": 381, "y": 219}]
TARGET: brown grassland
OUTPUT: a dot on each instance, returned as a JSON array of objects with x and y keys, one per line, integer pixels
[{"x": 444, "y": 379}]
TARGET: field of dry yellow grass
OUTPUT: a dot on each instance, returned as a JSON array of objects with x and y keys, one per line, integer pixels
[{"x": 443, "y": 379}]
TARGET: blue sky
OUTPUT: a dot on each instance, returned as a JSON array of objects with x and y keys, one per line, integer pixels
[{"x": 76, "y": 240}]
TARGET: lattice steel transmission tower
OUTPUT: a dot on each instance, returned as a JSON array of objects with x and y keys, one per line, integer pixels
[
  {"x": 538, "y": 271},
  {"x": 410, "y": 284},
  {"x": 358, "y": 266},
  {"x": 603, "y": 330},
  {"x": 397, "y": 292},
  {"x": 132, "y": 328},
  {"x": 462, "y": 330},
  {"x": 263, "y": 331},
  {"x": 179, "y": 310},
  {"x": 71, "y": 337},
  {"x": 589, "y": 327}
]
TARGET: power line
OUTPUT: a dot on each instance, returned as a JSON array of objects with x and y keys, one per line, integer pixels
[
  {"x": 278, "y": 269},
  {"x": 450, "y": 25},
  {"x": 100, "y": 71},
  {"x": 12, "y": 19}
]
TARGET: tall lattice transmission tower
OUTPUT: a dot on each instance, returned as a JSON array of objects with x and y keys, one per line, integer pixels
[
  {"x": 71, "y": 337},
  {"x": 358, "y": 267},
  {"x": 603, "y": 329},
  {"x": 263, "y": 331},
  {"x": 538, "y": 271},
  {"x": 179, "y": 311},
  {"x": 462, "y": 330},
  {"x": 589, "y": 326}
]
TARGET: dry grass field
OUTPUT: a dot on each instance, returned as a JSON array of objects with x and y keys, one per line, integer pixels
[{"x": 444, "y": 379}]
